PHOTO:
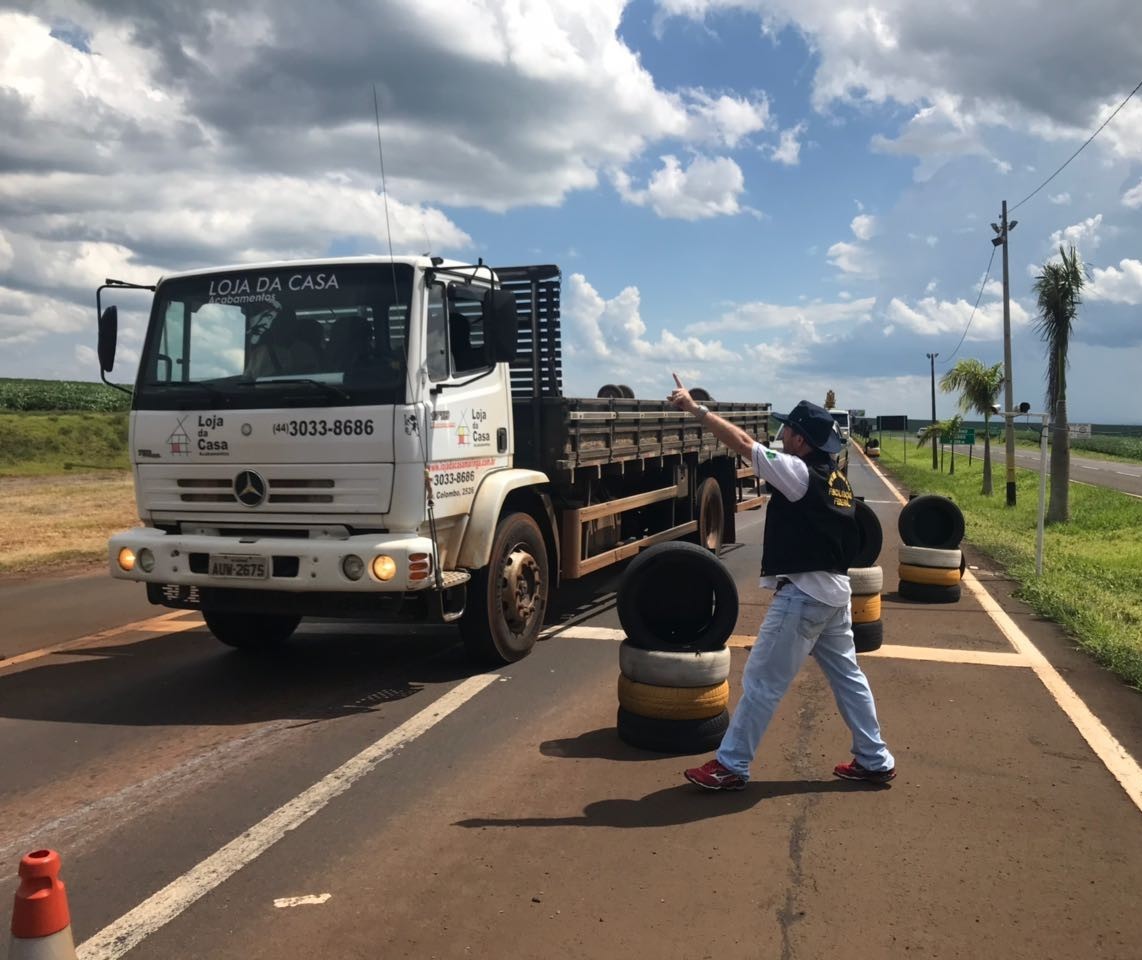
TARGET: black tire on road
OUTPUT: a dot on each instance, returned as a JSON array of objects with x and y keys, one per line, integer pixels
[
  {"x": 672, "y": 736},
  {"x": 868, "y": 636},
  {"x": 677, "y": 596},
  {"x": 507, "y": 599},
  {"x": 250, "y": 631},
  {"x": 931, "y": 521},
  {"x": 870, "y": 534},
  {"x": 674, "y": 668},
  {"x": 711, "y": 515},
  {"x": 928, "y": 593}
]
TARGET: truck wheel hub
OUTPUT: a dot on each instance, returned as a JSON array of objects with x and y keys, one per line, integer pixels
[{"x": 521, "y": 587}]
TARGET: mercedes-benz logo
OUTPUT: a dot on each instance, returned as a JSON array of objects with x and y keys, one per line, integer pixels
[{"x": 249, "y": 488}]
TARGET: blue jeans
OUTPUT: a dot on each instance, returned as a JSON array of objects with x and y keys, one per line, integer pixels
[{"x": 796, "y": 626}]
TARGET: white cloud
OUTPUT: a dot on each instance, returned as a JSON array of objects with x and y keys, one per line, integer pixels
[
  {"x": 1060, "y": 199},
  {"x": 1083, "y": 235},
  {"x": 613, "y": 330},
  {"x": 788, "y": 150},
  {"x": 802, "y": 322},
  {"x": 864, "y": 226},
  {"x": 724, "y": 120},
  {"x": 930, "y": 316},
  {"x": 1133, "y": 197},
  {"x": 852, "y": 258},
  {"x": 1121, "y": 284},
  {"x": 708, "y": 187}
]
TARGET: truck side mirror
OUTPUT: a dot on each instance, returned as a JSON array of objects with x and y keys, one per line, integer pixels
[
  {"x": 501, "y": 321},
  {"x": 108, "y": 336}
]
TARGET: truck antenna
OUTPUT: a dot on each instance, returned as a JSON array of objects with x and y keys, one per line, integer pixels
[{"x": 384, "y": 185}]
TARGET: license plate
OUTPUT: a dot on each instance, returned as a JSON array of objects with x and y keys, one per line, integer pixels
[{"x": 238, "y": 566}]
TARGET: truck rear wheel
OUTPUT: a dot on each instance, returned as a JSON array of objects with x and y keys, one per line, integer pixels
[
  {"x": 250, "y": 631},
  {"x": 711, "y": 516},
  {"x": 507, "y": 599}
]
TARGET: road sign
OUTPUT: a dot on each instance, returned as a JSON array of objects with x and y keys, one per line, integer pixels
[
  {"x": 893, "y": 422},
  {"x": 856, "y": 413},
  {"x": 1079, "y": 430},
  {"x": 965, "y": 436}
]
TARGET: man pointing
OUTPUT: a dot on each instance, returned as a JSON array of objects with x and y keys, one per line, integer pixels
[{"x": 810, "y": 538}]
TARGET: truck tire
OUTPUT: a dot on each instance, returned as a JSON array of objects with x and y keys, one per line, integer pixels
[
  {"x": 672, "y": 736},
  {"x": 250, "y": 631},
  {"x": 701, "y": 395},
  {"x": 870, "y": 534},
  {"x": 868, "y": 636},
  {"x": 609, "y": 391},
  {"x": 674, "y": 668},
  {"x": 711, "y": 515},
  {"x": 625, "y": 392},
  {"x": 931, "y": 521},
  {"x": 677, "y": 596},
  {"x": 507, "y": 599},
  {"x": 927, "y": 593}
]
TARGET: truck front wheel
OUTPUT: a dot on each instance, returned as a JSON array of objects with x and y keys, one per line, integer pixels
[
  {"x": 507, "y": 599},
  {"x": 250, "y": 631}
]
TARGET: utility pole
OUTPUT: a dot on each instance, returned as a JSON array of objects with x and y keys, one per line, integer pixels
[
  {"x": 1008, "y": 388},
  {"x": 932, "y": 358}
]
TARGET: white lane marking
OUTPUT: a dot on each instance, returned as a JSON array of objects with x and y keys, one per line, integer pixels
[
  {"x": 1125, "y": 473},
  {"x": 305, "y": 901},
  {"x": 1114, "y": 756},
  {"x": 136, "y": 925},
  {"x": 985, "y": 658},
  {"x": 159, "y": 624}
]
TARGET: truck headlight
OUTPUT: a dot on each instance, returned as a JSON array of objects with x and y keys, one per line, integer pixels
[
  {"x": 146, "y": 560},
  {"x": 353, "y": 567},
  {"x": 126, "y": 559},
  {"x": 384, "y": 567}
]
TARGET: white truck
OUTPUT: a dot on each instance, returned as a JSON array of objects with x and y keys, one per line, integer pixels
[{"x": 386, "y": 438}]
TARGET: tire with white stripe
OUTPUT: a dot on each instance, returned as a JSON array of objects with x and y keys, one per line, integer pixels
[
  {"x": 674, "y": 668},
  {"x": 930, "y": 557},
  {"x": 866, "y": 580}
]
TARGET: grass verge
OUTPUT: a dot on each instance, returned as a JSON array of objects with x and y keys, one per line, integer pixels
[
  {"x": 48, "y": 523},
  {"x": 39, "y": 444},
  {"x": 1092, "y": 566}
]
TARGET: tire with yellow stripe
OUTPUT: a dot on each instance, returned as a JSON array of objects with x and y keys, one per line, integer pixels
[
  {"x": 673, "y": 703},
  {"x": 931, "y": 576},
  {"x": 866, "y": 609}
]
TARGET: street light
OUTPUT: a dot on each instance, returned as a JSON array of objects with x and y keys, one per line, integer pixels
[
  {"x": 1009, "y": 416},
  {"x": 932, "y": 359}
]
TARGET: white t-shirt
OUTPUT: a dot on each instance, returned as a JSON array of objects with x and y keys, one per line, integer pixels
[{"x": 790, "y": 475}]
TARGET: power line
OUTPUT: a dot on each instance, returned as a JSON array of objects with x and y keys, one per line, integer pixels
[
  {"x": 987, "y": 273},
  {"x": 1078, "y": 151}
]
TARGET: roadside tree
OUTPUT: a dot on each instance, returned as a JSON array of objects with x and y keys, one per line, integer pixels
[
  {"x": 979, "y": 388},
  {"x": 1057, "y": 291}
]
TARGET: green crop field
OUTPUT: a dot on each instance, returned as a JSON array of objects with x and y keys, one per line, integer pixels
[{"x": 60, "y": 395}]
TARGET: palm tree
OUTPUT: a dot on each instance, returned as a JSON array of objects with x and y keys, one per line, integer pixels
[
  {"x": 941, "y": 428},
  {"x": 1057, "y": 289},
  {"x": 979, "y": 388}
]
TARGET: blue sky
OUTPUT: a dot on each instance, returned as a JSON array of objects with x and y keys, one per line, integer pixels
[{"x": 772, "y": 198}]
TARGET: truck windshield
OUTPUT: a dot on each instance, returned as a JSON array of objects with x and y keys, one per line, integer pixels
[
  {"x": 321, "y": 335},
  {"x": 841, "y": 417}
]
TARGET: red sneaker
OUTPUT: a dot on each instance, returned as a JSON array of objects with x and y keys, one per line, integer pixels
[
  {"x": 713, "y": 776},
  {"x": 854, "y": 771}
]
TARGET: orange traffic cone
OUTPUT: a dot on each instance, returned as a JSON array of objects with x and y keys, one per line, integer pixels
[{"x": 41, "y": 923}]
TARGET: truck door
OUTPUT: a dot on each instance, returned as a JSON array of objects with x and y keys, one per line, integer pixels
[{"x": 469, "y": 399}]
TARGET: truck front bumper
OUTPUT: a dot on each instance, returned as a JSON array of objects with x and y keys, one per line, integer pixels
[{"x": 275, "y": 564}]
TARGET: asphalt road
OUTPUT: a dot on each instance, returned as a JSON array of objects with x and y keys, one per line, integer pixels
[
  {"x": 369, "y": 794},
  {"x": 1126, "y": 477}
]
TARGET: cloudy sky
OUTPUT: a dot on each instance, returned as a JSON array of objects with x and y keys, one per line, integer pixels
[{"x": 772, "y": 197}]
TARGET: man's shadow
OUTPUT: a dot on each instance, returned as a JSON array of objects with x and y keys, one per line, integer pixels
[{"x": 673, "y": 806}]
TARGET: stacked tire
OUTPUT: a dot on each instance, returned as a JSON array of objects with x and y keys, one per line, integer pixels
[
  {"x": 931, "y": 561},
  {"x": 678, "y": 605},
  {"x": 872, "y": 448},
  {"x": 867, "y": 581}
]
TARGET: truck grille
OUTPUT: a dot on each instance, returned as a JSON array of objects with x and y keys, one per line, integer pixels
[{"x": 279, "y": 490}]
